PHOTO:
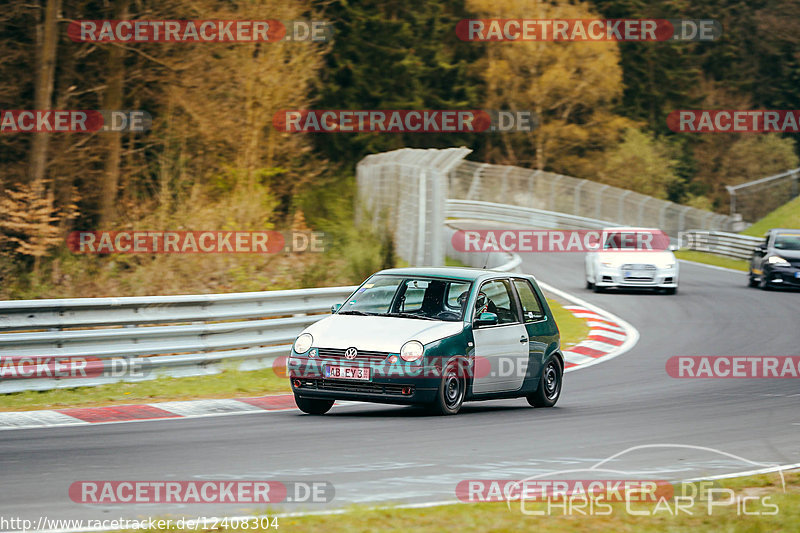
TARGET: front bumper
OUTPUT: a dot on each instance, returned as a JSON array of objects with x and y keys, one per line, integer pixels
[
  {"x": 417, "y": 386},
  {"x": 617, "y": 277},
  {"x": 782, "y": 276}
]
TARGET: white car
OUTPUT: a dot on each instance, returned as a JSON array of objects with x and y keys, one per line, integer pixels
[{"x": 632, "y": 257}]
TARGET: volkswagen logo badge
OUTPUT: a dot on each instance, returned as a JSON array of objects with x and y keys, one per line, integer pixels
[{"x": 350, "y": 353}]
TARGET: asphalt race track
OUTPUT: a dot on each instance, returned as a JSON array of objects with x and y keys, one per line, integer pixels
[{"x": 373, "y": 453}]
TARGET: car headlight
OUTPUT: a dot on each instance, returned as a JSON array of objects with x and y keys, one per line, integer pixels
[
  {"x": 303, "y": 343},
  {"x": 777, "y": 260},
  {"x": 669, "y": 265},
  {"x": 411, "y": 351}
]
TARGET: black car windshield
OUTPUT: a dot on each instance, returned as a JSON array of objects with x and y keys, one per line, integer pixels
[
  {"x": 787, "y": 241},
  {"x": 410, "y": 297}
]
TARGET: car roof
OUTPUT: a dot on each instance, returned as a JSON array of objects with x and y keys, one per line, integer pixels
[
  {"x": 784, "y": 230},
  {"x": 628, "y": 228},
  {"x": 471, "y": 274}
]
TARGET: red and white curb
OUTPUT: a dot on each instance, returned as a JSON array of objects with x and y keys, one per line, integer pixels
[
  {"x": 605, "y": 336},
  {"x": 609, "y": 336},
  {"x": 81, "y": 416}
]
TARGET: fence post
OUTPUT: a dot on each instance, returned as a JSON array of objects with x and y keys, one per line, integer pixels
[
  {"x": 577, "y": 197},
  {"x": 599, "y": 205}
]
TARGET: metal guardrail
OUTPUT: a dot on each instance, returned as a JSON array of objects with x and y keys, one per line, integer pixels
[
  {"x": 526, "y": 216},
  {"x": 167, "y": 335},
  {"x": 721, "y": 243}
]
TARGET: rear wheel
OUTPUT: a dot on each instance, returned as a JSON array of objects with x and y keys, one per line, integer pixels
[
  {"x": 450, "y": 396},
  {"x": 549, "y": 389},
  {"x": 312, "y": 406}
]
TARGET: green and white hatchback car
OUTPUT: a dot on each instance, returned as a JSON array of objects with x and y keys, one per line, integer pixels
[{"x": 435, "y": 337}]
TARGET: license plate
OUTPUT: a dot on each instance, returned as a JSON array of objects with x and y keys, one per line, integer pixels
[
  {"x": 636, "y": 274},
  {"x": 347, "y": 372}
]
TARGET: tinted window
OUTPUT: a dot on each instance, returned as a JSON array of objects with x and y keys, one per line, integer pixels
[
  {"x": 496, "y": 297},
  {"x": 531, "y": 308},
  {"x": 439, "y": 299},
  {"x": 787, "y": 241}
]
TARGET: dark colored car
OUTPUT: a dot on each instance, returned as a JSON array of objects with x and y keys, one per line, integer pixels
[
  {"x": 776, "y": 261},
  {"x": 435, "y": 337}
]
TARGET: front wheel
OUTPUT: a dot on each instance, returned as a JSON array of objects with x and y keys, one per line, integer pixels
[
  {"x": 752, "y": 281},
  {"x": 312, "y": 406},
  {"x": 549, "y": 389},
  {"x": 451, "y": 392}
]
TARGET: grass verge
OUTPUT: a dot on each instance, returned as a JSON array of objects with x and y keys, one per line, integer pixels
[
  {"x": 786, "y": 216},
  {"x": 227, "y": 384},
  {"x": 573, "y": 329},
  {"x": 765, "y": 490},
  {"x": 713, "y": 259}
]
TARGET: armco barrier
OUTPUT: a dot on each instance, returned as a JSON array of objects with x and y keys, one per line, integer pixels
[
  {"x": 175, "y": 335},
  {"x": 718, "y": 242},
  {"x": 168, "y": 335}
]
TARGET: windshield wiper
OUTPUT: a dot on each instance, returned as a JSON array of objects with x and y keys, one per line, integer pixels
[
  {"x": 361, "y": 313},
  {"x": 409, "y": 315}
]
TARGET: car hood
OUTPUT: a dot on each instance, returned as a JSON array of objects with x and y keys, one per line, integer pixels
[
  {"x": 639, "y": 257},
  {"x": 378, "y": 333}
]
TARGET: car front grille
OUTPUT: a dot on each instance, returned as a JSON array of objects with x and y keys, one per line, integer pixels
[
  {"x": 355, "y": 386},
  {"x": 363, "y": 355},
  {"x": 634, "y": 266}
]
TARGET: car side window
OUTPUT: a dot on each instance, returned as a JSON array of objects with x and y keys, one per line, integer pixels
[
  {"x": 498, "y": 299},
  {"x": 531, "y": 307}
]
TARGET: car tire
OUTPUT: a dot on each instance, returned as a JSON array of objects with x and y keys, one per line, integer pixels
[
  {"x": 751, "y": 281},
  {"x": 452, "y": 390},
  {"x": 312, "y": 406},
  {"x": 597, "y": 288},
  {"x": 763, "y": 284},
  {"x": 549, "y": 389},
  {"x": 589, "y": 284}
]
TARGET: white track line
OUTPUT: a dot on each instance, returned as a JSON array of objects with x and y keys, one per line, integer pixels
[{"x": 631, "y": 332}]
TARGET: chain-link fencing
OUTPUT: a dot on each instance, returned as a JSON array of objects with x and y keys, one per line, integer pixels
[
  {"x": 407, "y": 191},
  {"x": 754, "y": 199}
]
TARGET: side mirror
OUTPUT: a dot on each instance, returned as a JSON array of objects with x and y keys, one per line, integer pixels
[
  {"x": 760, "y": 249},
  {"x": 485, "y": 319},
  {"x": 335, "y": 307}
]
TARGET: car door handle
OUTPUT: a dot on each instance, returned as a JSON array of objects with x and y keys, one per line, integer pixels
[{"x": 523, "y": 339}]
